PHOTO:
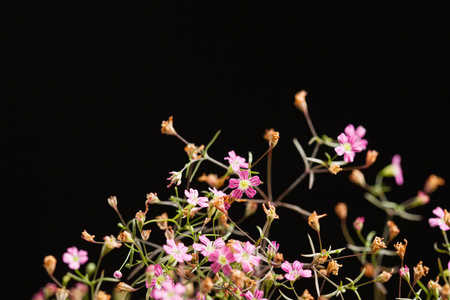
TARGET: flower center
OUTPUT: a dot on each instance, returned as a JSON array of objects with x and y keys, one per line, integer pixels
[
  {"x": 223, "y": 260},
  {"x": 244, "y": 184},
  {"x": 347, "y": 147}
]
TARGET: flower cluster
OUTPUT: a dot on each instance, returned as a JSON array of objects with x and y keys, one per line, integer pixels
[{"x": 196, "y": 248}]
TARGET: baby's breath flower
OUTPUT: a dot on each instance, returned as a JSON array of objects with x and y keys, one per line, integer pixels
[
  {"x": 270, "y": 212},
  {"x": 152, "y": 198},
  {"x": 123, "y": 287},
  {"x": 101, "y": 295},
  {"x": 377, "y": 244},
  {"x": 434, "y": 287},
  {"x": 117, "y": 274},
  {"x": 358, "y": 224},
  {"x": 125, "y": 237},
  {"x": 206, "y": 286},
  {"x": 334, "y": 169},
  {"x": 145, "y": 234},
  {"x": 75, "y": 258},
  {"x": 175, "y": 178},
  {"x": 193, "y": 151},
  {"x": 306, "y": 296},
  {"x": 62, "y": 294},
  {"x": 167, "y": 127},
  {"x": 439, "y": 221},
  {"x": 49, "y": 264},
  {"x": 272, "y": 137},
  {"x": 112, "y": 201}
]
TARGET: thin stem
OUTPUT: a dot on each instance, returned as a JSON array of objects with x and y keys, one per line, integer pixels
[{"x": 269, "y": 174}]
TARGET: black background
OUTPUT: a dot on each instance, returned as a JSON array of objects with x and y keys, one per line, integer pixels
[{"x": 87, "y": 87}]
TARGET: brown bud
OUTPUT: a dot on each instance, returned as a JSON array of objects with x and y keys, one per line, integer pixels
[
  {"x": 371, "y": 157},
  {"x": 49, "y": 264},
  {"x": 313, "y": 221},
  {"x": 300, "y": 101},
  {"x": 432, "y": 183},
  {"x": 341, "y": 210}
]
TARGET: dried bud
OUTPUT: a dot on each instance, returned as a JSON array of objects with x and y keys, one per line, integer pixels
[
  {"x": 162, "y": 224},
  {"x": 152, "y": 198},
  {"x": 272, "y": 137},
  {"x": 87, "y": 237},
  {"x": 62, "y": 294},
  {"x": 377, "y": 244},
  {"x": 333, "y": 267},
  {"x": 384, "y": 276},
  {"x": 238, "y": 277},
  {"x": 193, "y": 151},
  {"x": 278, "y": 258},
  {"x": 313, "y": 221},
  {"x": 371, "y": 157},
  {"x": 419, "y": 271},
  {"x": 167, "y": 127},
  {"x": 270, "y": 212},
  {"x": 113, "y": 201},
  {"x": 145, "y": 234},
  {"x": 446, "y": 217},
  {"x": 123, "y": 287},
  {"x": 250, "y": 208},
  {"x": 401, "y": 248},
  {"x": 369, "y": 271},
  {"x": 306, "y": 296},
  {"x": 125, "y": 237},
  {"x": 357, "y": 177},
  {"x": 445, "y": 292},
  {"x": 101, "y": 295},
  {"x": 300, "y": 101},
  {"x": 393, "y": 230},
  {"x": 432, "y": 183},
  {"x": 341, "y": 210},
  {"x": 49, "y": 264},
  {"x": 434, "y": 287},
  {"x": 206, "y": 286},
  {"x": 334, "y": 169},
  {"x": 169, "y": 233}
]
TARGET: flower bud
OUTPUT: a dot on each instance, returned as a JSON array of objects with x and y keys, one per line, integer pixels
[
  {"x": 90, "y": 268},
  {"x": 358, "y": 224},
  {"x": 117, "y": 274},
  {"x": 393, "y": 230},
  {"x": 152, "y": 198},
  {"x": 432, "y": 183},
  {"x": 341, "y": 210},
  {"x": 313, "y": 221},
  {"x": 384, "y": 276},
  {"x": 62, "y": 294},
  {"x": 300, "y": 101},
  {"x": 123, "y": 287},
  {"x": 434, "y": 287},
  {"x": 112, "y": 201},
  {"x": 371, "y": 157},
  {"x": 49, "y": 264},
  {"x": 404, "y": 272},
  {"x": 125, "y": 237},
  {"x": 145, "y": 234},
  {"x": 357, "y": 177}
]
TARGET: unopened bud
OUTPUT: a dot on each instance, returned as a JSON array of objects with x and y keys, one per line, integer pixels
[
  {"x": 113, "y": 201},
  {"x": 90, "y": 268},
  {"x": 152, "y": 198},
  {"x": 358, "y": 224},
  {"x": 300, "y": 101},
  {"x": 341, "y": 210},
  {"x": 432, "y": 183},
  {"x": 357, "y": 177},
  {"x": 145, "y": 234},
  {"x": 62, "y": 294},
  {"x": 371, "y": 157},
  {"x": 169, "y": 233},
  {"x": 49, "y": 264},
  {"x": 384, "y": 276},
  {"x": 123, "y": 287},
  {"x": 393, "y": 230}
]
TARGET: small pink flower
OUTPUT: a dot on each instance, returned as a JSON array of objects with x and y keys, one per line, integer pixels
[
  {"x": 294, "y": 270},
  {"x": 245, "y": 256},
  {"x": 216, "y": 193},
  {"x": 235, "y": 161},
  {"x": 169, "y": 291},
  {"x": 75, "y": 258},
  {"x": 272, "y": 249},
  {"x": 359, "y": 133},
  {"x": 207, "y": 247},
  {"x": 175, "y": 178},
  {"x": 158, "y": 277},
  {"x": 221, "y": 259},
  {"x": 177, "y": 251},
  {"x": 358, "y": 224},
  {"x": 244, "y": 184},
  {"x": 349, "y": 145},
  {"x": 257, "y": 296},
  {"x": 397, "y": 169},
  {"x": 439, "y": 212},
  {"x": 117, "y": 274},
  {"x": 404, "y": 272},
  {"x": 194, "y": 199}
]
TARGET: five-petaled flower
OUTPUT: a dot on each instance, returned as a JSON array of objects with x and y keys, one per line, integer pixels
[
  {"x": 169, "y": 291},
  {"x": 177, "y": 251},
  {"x": 359, "y": 132},
  {"x": 256, "y": 296},
  {"x": 348, "y": 146},
  {"x": 221, "y": 259},
  {"x": 75, "y": 258},
  {"x": 157, "y": 277},
  {"x": 244, "y": 184},
  {"x": 194, "y": 199},
  {"x": 295, "y": 270},
  {"x": 236, "y": 162},
  {"x": 207, "y": 247},
  {"x": 244, "y": 256},
  {"x": 439, "y": 221}
]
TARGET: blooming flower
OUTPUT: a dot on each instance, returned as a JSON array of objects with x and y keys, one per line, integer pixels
[
  {"x": 397, "y": 169},
  {"x": 245, "y": 256},
  {"x": 221, "y": 259},
  {"x": 169, "y": 291},
  {"x": 439, "y": 221},
  {"x": 404, "y": 272},
  {"x": 158, "y": 277},
  {"x": 175, "y": 178},
  {"x": 177, "y": 251},
  {"x": 75, "y": 258},
  {"x": 216, "y": 193},
  {"x": 194, "y": 199},
  {"x": 257, "y": 296},
  {"x": 349, "y": 145},
  {"x": 244, "y": 184},
  {"x": 236, "y": 161},
  {"x": 272, "y": 249},
  {"x": 359, "y": 132},
  {"x": 294, "y": 270},
  {"x": 207, "y": 247}
]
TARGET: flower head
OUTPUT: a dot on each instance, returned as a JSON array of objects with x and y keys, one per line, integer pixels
[
  {"x": 221, "y": 259},
  {"x": 348, "y": 146},
  {"x": 207, "y": 247},
  {"x": 117, "y": 274},
  {"x": 377, "y": 244},
  {"x": 169, "y": 291},
  {"x": 75, "y": 258},
  {"x": 244, "y": 256},
  {"x": 194, "y": 199},
  {"x": 358, "y": 224},
  {"x": 404, "y": 272},
  {"x": 236, "y": 162},
  {"x": 156, "y": 276},
  {"x": 359, "y": 133},
  {"x": 256, "y": 296},
  {"x": 294, "y": 270},
  {"x": 177, "y": 251},
  {"x": 244, "y": 184},
  {"x": 439, "y": 221}
]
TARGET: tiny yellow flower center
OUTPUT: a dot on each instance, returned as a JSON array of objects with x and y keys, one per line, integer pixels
[
  {"x": 244, "y": 184},
  {"x": 347, "y": 147},
  {"x": 223, "y": 260}
]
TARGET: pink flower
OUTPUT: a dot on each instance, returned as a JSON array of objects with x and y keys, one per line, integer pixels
[
  {"x": 359, "y": 133},
  {"x": 158, "y": 277},
  {"x": 358, "y": 223},
  {"x": 257, "y": 296},
  {"x": 349, "y": 145},
  {"x": 397, "y": 169},
  {"x": 272, "y": 249},
  {"x": 439, "y": 212},
  {"x": 177, "y": 251},
  {"x": 294, "y": 270},
  {"x": 245, "y": 256},
  {"x": 244, "y": 184},
  {"x": 216, "y": 193},
  {"x": 194, "y": 199},
  {"x": 75, "y": 258},
  {"x": 221, "y": 259},
  {"x": 117, "y": 274},
  {"x": 404, "y": 272},
  {"x": 208, "y": 247},
  {"x": 175, "y": 178},
  {"x": 235, "y": 161},
  {"x": 169, "y": 291}
]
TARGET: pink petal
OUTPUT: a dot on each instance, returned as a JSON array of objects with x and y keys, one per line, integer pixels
[
  {"x": 438, "y": 211},
  {"x": 306, "y": 273},
  {"x": 226, "y": 270},
  {"x": 219, "y": 243},
  {"x": 286, "y": 266},
  {"x": 250, "y": 192},
  {"x": 342, "y": 138},
  {"x": 339, "y": 150},
  {"x": 434, "y": 222},
  {"x": 360, "y": 131},
  {"x": 255, "y": 181},
  {"x": 233, "y": 183},
  {"x": 243, "y": 175},
  {"x": 349, "y": 156},
  {"x": 444, "y": 227},
  {"x": 350, "y": 129},
  {"x": 237, "y": 193}
]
